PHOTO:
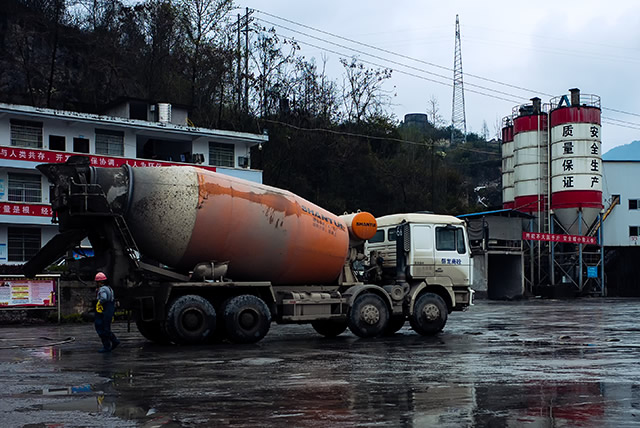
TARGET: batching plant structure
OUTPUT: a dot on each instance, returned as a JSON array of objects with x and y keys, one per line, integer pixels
[
  {"x": 557, "y": 178},
  {"x": 576, "y": 190},
  {"x": 531, "y": 158},
  {"x": 507, "y": 164}
]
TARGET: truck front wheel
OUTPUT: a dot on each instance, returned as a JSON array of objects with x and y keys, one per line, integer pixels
[
  {"x": 369, "y": 316},
  {"x": 246, "y": 319},
  {"x": 191, "y": 320},
  {"x": 429, "y": 314}
]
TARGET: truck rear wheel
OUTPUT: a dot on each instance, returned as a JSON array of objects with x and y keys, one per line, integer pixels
[
  {"x": 247, "y": 319},
  {"x": 429, "y": 314},
  {"x": 368, "y": 316},
  {"x": 329, "y": 328},
  {"x": 152, "y": 330},
  {"x": 191, "y": 320}
]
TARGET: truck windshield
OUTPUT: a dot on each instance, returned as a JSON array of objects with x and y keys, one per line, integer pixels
[
  {"x": 378, "y": 237},
  {"x": 450, "y": 239}
]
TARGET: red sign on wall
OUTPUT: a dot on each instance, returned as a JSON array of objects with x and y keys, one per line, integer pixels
[
  {"x": 39, "y": 210},
  {"x": 46, "y": 156},
  {"x": 554, "y": 237}
]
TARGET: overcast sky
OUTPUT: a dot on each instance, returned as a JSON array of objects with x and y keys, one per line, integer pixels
[{"x": 544, "y": 47}]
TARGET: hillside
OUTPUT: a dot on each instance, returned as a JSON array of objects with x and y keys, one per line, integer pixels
[{"x": 629, "y": 151}]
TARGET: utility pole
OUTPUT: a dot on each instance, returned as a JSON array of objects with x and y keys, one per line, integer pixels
[
  {"x": 458, "y": 118},
  {"x": 246, "y": 62},
  {"x": 239, "y": 76}
]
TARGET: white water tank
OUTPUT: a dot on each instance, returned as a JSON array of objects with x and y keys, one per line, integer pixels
[{"x": 164, "y": 112}]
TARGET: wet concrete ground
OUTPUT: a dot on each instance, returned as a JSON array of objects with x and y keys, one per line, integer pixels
[{"x": 533, "y": 363}]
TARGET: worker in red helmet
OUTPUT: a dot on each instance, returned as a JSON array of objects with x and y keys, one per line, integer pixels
[{"x": 105, "y": 308}]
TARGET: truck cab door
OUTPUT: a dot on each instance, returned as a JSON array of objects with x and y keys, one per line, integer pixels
[
  {"x": 452, "y": 258},
  {"x": 421, "y": 259}
]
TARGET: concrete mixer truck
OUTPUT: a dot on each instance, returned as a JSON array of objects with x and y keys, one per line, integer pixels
[{"x": 199, "y": 256}]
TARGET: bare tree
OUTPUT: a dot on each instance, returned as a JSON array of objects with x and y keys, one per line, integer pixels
[
  {"x": 497, "y": 128},
  {"x": 202, "y": 21},
  {"x": 433, "y": 112},
  {"x": 271, "y": 56},
  {"x": 362, "y": 91},
  {"x": 485, "y": 130}
]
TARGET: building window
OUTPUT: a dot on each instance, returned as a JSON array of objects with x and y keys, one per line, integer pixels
[
  {"x": 23, "y": 243},
  {"x": 80, "y": 145},
  {"x": 57, "y": 142},
  {"x": 221, "y": 154},
  {"x": 633, "y": 204},
  {"x": 109, "y": 142},
  {"x": 26, "y": 134},
  {"x": 24, "y": 188},
  {"x": 634, "y": 230}
]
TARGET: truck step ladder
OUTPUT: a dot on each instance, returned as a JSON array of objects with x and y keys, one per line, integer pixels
[{"x": 127, "y": 239}]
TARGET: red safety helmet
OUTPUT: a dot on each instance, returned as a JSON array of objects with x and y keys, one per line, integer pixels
[{"x": 101, "y": 277}]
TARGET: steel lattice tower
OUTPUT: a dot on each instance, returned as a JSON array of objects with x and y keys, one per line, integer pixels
[{"x": 458, "y": 118}]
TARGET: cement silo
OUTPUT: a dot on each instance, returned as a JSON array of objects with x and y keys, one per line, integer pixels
[
  {"x": 576, "y": 161},
  {"x": 507, "y": 164},
  {"x": 530, "y": 157}
]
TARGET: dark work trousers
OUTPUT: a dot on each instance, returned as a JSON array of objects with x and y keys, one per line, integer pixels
[{"x": 103, "y": 325}]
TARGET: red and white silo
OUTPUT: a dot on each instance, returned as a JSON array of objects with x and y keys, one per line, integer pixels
[
  {"x": 530, "y": 157},
  {"x": 576, "y": 160},
  {"x": 507, "y": 164}
]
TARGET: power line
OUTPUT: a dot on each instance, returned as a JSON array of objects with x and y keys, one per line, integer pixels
[
  {"x": 374, "y": 137},
  {"x": 399, "y": 71},
  {"x": 397, "y": 54},
  {"x": 417, "y": 60},
  {"x": 375, "y": 56}
]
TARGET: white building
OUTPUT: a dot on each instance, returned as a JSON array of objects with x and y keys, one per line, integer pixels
[
  {"x": 134, "y": 133},
  {"x": 622, "y": 225}
]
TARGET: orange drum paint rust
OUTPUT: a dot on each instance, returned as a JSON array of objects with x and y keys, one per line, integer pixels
[{"x": 266, "y": 234}]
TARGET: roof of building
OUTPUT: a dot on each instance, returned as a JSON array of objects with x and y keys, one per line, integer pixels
[
  {"x": 42, "y": 113},
  {"x": 389, "y": 220},
  {"x": 497, "y": 213}
]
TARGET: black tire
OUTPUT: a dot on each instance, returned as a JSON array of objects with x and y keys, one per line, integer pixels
[
  {"x": 247, "y": 319},
  {"x": 329, "y": 328},
  {"x": 368, "y": 316},
  {"x": 191, "y": 320},
  {"x": 152, "y": 330},
  {"x": 429, "y": 314},
  {"x": 395, "y": 324}
]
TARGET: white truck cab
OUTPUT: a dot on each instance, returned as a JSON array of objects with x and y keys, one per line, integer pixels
[{"x": 436, "y": 251}]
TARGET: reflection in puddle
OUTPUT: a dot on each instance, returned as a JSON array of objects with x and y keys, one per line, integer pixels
[
  {"x": 47, "y": 353},
  {"x": 93, "y": 401}
]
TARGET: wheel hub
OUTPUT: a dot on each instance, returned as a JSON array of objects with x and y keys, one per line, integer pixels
[
  {"x": 431, "y": 312},
  {"x": 247, "y": 319},
  {"x": 192, "y": 320},
  {"x": 370, "y": 314}
]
